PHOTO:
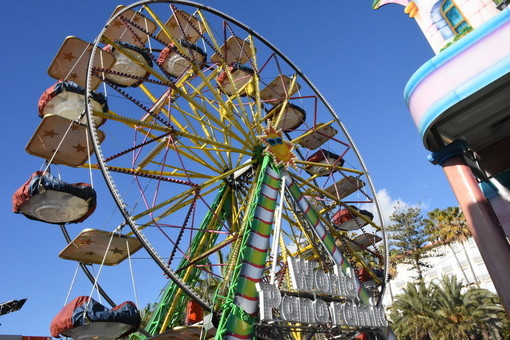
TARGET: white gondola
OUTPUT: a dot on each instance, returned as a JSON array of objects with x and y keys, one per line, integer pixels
[
  {"x": 46, "y": 198},
  {"x": 55, "y": 207},
  {"x": 317, "y": 136},
  {"x": 177, "y": 61},
  {"x": 289, "y": 116},
  {"x": 130, "y": 60},
  {"x": 351, "y": 218},
  {"x": 235, "y": 79},
  {"x": 67, "y": 99},
  {"x": 345, "y": 187},
  {"x": 324, "y": 157}
]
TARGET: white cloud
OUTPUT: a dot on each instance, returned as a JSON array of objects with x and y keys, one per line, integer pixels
[{"x": 388, "y": 205}]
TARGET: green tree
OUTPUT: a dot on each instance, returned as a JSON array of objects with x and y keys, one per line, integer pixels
[
  {"x": 146, "y": 314},
  {"x": 409, "y": 237},
  {"x": 445, "y": 311},
  {"x": 448, "y": 226},
  {"x": 412, "y": 312}
]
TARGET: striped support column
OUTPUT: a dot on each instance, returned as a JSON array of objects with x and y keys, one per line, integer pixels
[
  {"x": 239, "y": 322},
  {"x": 320, "y": 231}
]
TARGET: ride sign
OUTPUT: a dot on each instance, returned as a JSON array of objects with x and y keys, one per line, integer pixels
[{"x": 318, "y": 298}]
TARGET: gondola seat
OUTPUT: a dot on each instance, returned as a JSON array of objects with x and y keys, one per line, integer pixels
[
  {"x": 124, "y": 64},
  {"x": 67, "y": 99},
  {"x": 84, "y": 318},
  {"x": 175, "y": 63},
  {"x": 346, "y": 219},
  {"x": 241, "y": 77},
  {"x": 46, "y": 198}
]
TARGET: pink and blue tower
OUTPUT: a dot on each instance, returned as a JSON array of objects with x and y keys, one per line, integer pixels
[{"x": 460, "y": 103}]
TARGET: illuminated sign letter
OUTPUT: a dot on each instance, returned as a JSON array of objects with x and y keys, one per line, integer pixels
[
  {"x": 350, "y": 313},
  {"x": 306, "y": 314},
  {"x": 269, "y": 298},
  {"x": 301, "y": 274},
  {"x": 322, "y": 282},
  {"x": 321, "y": 311},
  {"x": 290, "y": 308}
]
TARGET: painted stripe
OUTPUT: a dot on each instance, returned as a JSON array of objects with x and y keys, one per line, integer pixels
[
  {"x": 251, "y": 298},
  {"x": 258, "y": 266},
  {"x": 252, "y": 279},
  {"x": 268, "y": 197},
  {"x": 262, "y": 250},
  {"x": 237, "y": 336}
]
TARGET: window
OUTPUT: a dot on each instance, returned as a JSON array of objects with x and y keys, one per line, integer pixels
[
  {"x": 484, "y": 276},
  {"x": 456, "y": 247},
  {"x": 431, "y": 274},
  {"x": 453, "y": 16},
  {"x": 478, "y": 260},
  {"x": 447, "y": 269},
  {"x": 464, "y": 264}
]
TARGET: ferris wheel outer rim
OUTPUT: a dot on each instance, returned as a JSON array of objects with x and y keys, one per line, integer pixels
[{"x": 113, "y": 189}]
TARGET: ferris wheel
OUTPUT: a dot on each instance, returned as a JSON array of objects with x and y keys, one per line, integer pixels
[{"x": 229, "y": 167}]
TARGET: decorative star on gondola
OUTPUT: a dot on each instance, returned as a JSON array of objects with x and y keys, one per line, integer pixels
[
  {"x": 83, "y": 242},
  {"x": 117, "y": 251},
  {"x": 69, "y": 56},
  {"x": 50, "y": 133},
  {"x": 80, "y": 148}
]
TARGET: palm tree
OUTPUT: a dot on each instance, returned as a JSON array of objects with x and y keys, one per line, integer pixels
[
  {"x": 487, "y": 313},
  {"x": 454, "y": 319},
  {"x": 412, "y": 312},
  {"x": 448, "y": 226},
  {"x": 443, "y": 311},
  {"x": 476, "y": 313},
  {"x": 146, "y": 314}
]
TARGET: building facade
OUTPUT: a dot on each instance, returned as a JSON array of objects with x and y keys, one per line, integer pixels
[{"x": 460, "y": 259}]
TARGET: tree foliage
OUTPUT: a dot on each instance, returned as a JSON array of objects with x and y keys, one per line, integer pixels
[
  {"x": 444, "y": 311},
  {"x": 409, "y": 237},
  {"x": 448, "y": 225}
]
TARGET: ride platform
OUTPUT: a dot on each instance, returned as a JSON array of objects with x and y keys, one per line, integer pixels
[
  {"x": 71, "y": 62},
  {"x": 279, "y": 89},
  {"x": 100, "y": 247},
  {"x": 193, "y": 332},
  {"x": 180, "y": 27},
  {"x": 120, "y": 30},
  {"x": 62, "y": 141}
]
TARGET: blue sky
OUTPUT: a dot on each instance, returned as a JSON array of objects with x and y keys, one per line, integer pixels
[{"x": 360, "y": 59}]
